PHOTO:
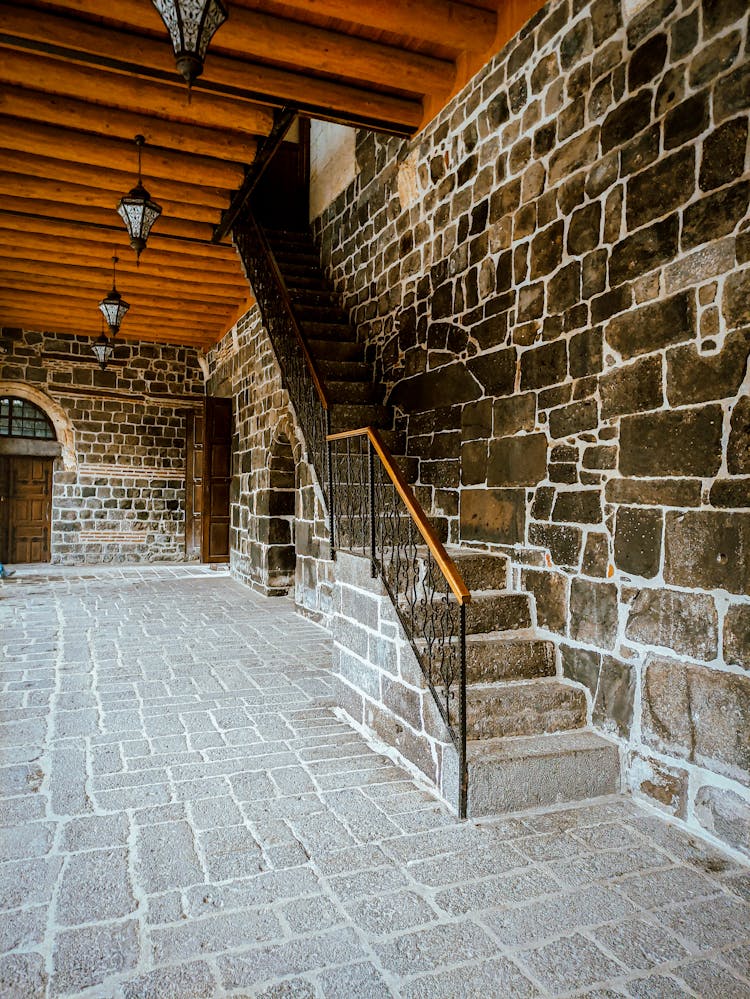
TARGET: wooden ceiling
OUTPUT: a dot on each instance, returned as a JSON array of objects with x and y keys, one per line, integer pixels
[{"x": 77, "y": 84}]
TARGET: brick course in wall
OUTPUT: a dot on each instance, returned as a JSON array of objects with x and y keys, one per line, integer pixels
[
  {"x": 552, "y": 280},
  {"x": 120, "y": 495}
]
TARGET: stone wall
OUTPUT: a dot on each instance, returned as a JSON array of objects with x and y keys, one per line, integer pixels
[
  {"x": 552, "y": 280},
  {"x": 267, "y": 518},
  {"x": 119, "y": 489}
]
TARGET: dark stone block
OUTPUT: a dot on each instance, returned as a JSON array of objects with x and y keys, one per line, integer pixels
[
  {"x": 644, "y": 250},
  {"x": 736, "y": 301},
  {"x": 564, "y": 288},
  {"x": 576, "y": 153},
  {"x": 606, "y": 18},
  {"x": 652, "y": 326},
  {"x": 737, "y": 636},
  {"x": 672, "y": 443},
  {"x": 633, "y": 388},
  {"x": 452, "y": 382},
  {"x": 714, "y": 59},
  {"x": 517, "y": 461},
  {"x": 732, "y": 93},
  {"x": 684, "y": 36},
  {"x": 715, "y": 215},
  {"x": 542, "y": 505},
  {"x": 596, "y": 555},
  {"x": 654, "y": 492},
  {"x": 610, "y": 303},
  {"x": 708, "y": 549},
  {"x": 496, "y": 371},
  {"x": 550, "y": 592},
  {"x": 638, "y": 541},
  {"x": 494, "y": 515},
  {"x": 720, "y": 14},
  {"x": 546, "y": 250},
  {"x": 647, "y": 62},
  {"x": 514, "y": 414},
  {"x": 584, "y": 229},
  {"x": 700, "y": 714},
  {"x": 685, "y": 622},
  {"x": 693, "y": 377},
  {"x": 585, "y": 353},
  {"x": 593, "y": 612},
  {"x": 498, "y": 111},
  {"x": 731, "y": 493},
  {"x": 474, "y": 463},
  {"x": 723, "y": 158},
  {"x": 476, "y": 420},
  {"x": 581, "y": 665},
  {"x": 543, "y": 366},
  {"x": 663, "y": 187},
  {"x": 738, "y": 449},
  {"x": 626, "y": 121},
  {"x": 686, "y": 121},
  {"x": 578, "y": 507},
  {"x": 573, "y": 419},
  {"x": 615, "y": 696},
  {"x": 563, "y": 543},
  {"x": 601, "y": 456}
]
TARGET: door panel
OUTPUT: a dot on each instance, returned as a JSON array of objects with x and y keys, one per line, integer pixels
[
  {"x": 26, "y": 488},
  {"x": 194, "y": 483},
  {"x": 217, "y": 476}
]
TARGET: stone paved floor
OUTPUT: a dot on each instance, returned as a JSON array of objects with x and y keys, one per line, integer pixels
[{"x": 184, "y": 816}]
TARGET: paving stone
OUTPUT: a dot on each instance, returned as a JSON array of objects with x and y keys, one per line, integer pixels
[
  {"x": 639, "y": 944},
  {"x": 359, "y": 981},
  {"x": 434, "y": 947},
  {"x": 31, "y": 840},
  {"x": 22, "y": 976},
  {"x": 711, "y": 923},
  {"x": 497, "y": 976},
  {"x": 709, "y": 978},
  {"x": 166, "y": 857},
  {"x": 214, "y": 934},
  {"x": 310, "y": 954},
  {"x": 86, "y": 956},
  {"x": 23, "y": 929},
  {"x": 94, "y": 887},
  {"x": 185, "y": 981}
]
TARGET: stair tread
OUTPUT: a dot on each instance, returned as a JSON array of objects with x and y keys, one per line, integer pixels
[{"x": 517, "y": 747}]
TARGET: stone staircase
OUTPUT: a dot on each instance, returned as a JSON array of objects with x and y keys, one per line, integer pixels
[{"x": 528, "y": 740}]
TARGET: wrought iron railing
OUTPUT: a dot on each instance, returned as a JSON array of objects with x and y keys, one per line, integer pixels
[
  {"x": 377, "y": 515},
  {"x": 371, "y": 507},
  {"x": 301, "y": 379}
]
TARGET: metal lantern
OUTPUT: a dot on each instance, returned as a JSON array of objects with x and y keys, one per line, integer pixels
[
  {"x": 137, "y": 209},
  {"x": 114, "y": 305},
  {"x": 103, "y": 349},
  {"x": 191, "y": 25}
]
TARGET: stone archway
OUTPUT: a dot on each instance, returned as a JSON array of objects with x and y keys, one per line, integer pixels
[
  {"x": 57, "y": 415},
  {"x": 281, "y": 554}
]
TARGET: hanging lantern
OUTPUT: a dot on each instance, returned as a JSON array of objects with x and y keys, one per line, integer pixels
[
  {"x": 137, "y": 209},
  {"x": 103, "y": 349},
  {"x": 191, "y": 25},
  {"x": 114, "y": 305}
]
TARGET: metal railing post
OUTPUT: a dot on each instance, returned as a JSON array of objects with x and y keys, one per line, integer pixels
[
  {"x": 462, "y": 761},
  {"x": 330, "y": 486},
  {"x": 371, "y": 484}
]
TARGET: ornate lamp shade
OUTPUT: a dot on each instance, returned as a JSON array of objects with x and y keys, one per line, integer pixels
[
  {"x": 104, "y": 350},
  {"x": 137, "y": 209},
  {"x": 114, "y": 308},
  {"x": 191, "y": 25}
]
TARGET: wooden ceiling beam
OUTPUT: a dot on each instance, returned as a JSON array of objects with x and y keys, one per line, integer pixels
[
  {"x": 119, "y": 182},
  {"x": 172, "y": 266},
  {"x": 199, "y": 339},
  {"x": 255, "y": 34},
  {"x": 202, "y": 146},
  {"x": 78, "y": 147},
  {"x": 25, "y": 187},
  {"x": 107, "y": 228},
  {"x": 129, "y": 93},
  {"x": 94, "y": 284},
  {"x": 442, "y": 22},
  {"x": 147, "y": 55},
  {"x": 48, "y": 302}
]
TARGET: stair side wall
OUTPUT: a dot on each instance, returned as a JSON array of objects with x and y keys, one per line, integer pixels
[{"x": 553, "y": 282}]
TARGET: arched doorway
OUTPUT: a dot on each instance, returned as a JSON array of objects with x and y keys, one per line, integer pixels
[
  {"x": 281, "y": 500},
  {"x": 28, "y": 448}
]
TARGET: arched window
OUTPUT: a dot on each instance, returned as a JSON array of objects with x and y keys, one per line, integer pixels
[{"x": 21, "y": 418}]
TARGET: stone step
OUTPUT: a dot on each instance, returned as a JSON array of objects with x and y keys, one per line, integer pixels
[
  {"x": 309, "y": 312},
  {"x": 500, "y": 656},
  {"x": 339, "y": 331},
  {"x": 352, "y": 392},
  {"x": 335, "y": 350},
  {"x": 489, "y": 611},
  {"x": 535, "y": 707},
  {"x": 305, "y": 281},
  {"x": 512, "y": 775},
  {"x": 480, "y": 570},
  {"x": 304, "y": 297},
  {"x": 345, "y": 371},
  {"x": 345, "y": 416}
]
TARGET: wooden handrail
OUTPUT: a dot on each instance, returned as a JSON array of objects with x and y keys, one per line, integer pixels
[
  {"x": 412, "y": 504},
  {"x": 319, "y": 386}
]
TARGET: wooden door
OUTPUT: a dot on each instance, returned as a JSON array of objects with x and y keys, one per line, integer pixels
[
  {"x": 217, "y": 477},
  {"x": 194, "y": 482},
  {"x": 26, "y": 501}
]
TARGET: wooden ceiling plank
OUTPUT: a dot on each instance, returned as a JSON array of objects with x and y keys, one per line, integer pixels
[
  {"x": 278, "y": 85},
  {"x": 33, "y": 247},
  {"x": 78, "y": 195},
  {"x": 66, "y": 144},
  {"x": 119, "y": 182},
  {"x": 107, "y": 228},
  {"x": 160, "y": 134},
  {"x": 47, "y": 302},
  {"x": 442, "y": 22},
  {"x": 255, "y": 34},
  {"x": 200, "y": 339},
  {"x": 127, "y": 92}
]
